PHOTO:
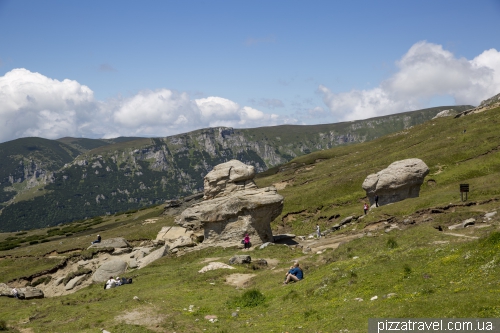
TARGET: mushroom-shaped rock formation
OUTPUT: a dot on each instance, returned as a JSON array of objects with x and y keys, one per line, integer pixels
[
  {"x": 233, "y": 207},
  {"x": 400, "y": 180}
]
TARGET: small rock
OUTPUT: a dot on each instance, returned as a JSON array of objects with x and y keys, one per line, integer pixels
[
  {"x": 59, "y": 280},
  {"x": 261, "y": 262},
  {"x": 307, "y": 249},
  {"x": 390, "y": 295},
  {"x": 358, "y": 299},
  {"x": 121, "y": 250},
  {"x": 136, "y": 298},
  {"x": 234, "y": 314},
  {"x": 346, "y": 220},
  {"x": 240, "y": 259},
  {"x": 469, "y": 222},
  {"x": 210, "y": 317},
  {"x": 373, "y": 298},
  {"x": 263, "y": 246},
  {"x": 356, "y": 257},
  {"x": 133, "y": 263},
  {"x": 490, "y": 215},
  {"x": 319, "y": 252}
]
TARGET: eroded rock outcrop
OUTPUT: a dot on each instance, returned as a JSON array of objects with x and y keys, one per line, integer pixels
[
  {"x": 233, "y": 207},
  {"x": 399, "y": 181}
]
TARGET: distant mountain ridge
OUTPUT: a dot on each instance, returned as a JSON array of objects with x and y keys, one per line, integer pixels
[{"x": 48, "y": 182}]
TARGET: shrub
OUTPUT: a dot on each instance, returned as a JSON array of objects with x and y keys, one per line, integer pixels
[
  {"x": 3, "y": 325},
  {"x": 249, "y": 299},
  {"x": 44, "y": 280},
  {"x": 33, "y": 242},
  {"x": 21, "y": 233},
  {"x": 407, "y": 271},
  {"x": 391, "y": 243}
]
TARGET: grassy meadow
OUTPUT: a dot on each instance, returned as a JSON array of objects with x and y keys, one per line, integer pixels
[{"x": 416, "y": 271}]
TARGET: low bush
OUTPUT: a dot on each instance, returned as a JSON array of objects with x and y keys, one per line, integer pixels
[
  {"x": 44, "y": 280},
  {"x": 249, "y": 299}
]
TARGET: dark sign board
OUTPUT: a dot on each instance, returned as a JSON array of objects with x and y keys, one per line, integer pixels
[{"x": 464, "y": 187}]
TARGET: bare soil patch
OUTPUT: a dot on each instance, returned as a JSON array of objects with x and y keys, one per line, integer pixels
[
  {"x": 143, "y": 317},
  {"x": 239, "y": 280}
]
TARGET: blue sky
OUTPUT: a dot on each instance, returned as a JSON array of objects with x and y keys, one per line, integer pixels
[{"x": 157, "y": 68}]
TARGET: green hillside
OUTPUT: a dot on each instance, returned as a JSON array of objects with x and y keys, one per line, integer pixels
[
  {"x": 128, "y": 173},
  {"x": 415, "y": 270}
]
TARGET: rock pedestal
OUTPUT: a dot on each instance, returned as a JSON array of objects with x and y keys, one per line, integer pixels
[
  {"x": 233, "y": 207},
  {"x": 399, "y": 181}
]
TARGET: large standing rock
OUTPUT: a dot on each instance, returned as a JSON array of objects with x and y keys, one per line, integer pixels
[
  {"x": 234, "y": 206},
  {"x": 110, "y": 268},
  {"x": 400, "y": 180},
  {"x": 111, "y": 242},
  {"x": 228, "y": 177}
]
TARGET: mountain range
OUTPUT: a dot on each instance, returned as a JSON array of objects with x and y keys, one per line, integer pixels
[{"x": 50, "y": 182}]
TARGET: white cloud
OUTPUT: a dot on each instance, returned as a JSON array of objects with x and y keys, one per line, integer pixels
[
  {"x": 425, "y": 71},
  {"x": 35, "y": 105}
]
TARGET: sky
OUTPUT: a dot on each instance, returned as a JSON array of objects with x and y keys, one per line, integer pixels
[{"x": 103, "y": 69}]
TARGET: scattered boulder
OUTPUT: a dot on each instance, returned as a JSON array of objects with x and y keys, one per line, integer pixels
[
  {"x": 240, "y": 259},
  {"x": 182, "y": 242},
  {"x": 121, "y": 250},
  {"x": 118, "y": 242},
  {"x": 30, "y": 293},
  {"x": 110, "y": 268},
  {"x": 170, "y": 234},
  {"x": 490, "y": 215},
  {"x": 348, "y": 219},
  {"x": 133, "y": 263},
  {"x": 74, "y": 282},
  {"x": 5, "y": 290},
  {"x": 463, "y": 224},
  {"x": 469, "y": 222},
  {"x": 266, "y": 244},
  {"x": 446, "y": 113},
  {"x": 153, "y": 256},
  {"x": 213, "y": 266},
  {"x": 399, "y": 181},
  {"x": 233, "y": 207},
  {"x": 261, "y": 262}
]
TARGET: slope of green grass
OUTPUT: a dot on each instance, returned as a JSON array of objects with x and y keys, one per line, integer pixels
[{"x": 416, "y": 272}]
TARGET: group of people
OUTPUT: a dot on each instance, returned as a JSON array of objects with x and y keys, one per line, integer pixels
[{"x": 112, "y": 282}]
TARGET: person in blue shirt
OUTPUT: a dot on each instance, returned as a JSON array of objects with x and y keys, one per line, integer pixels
[{"x": 294, "y": 274}]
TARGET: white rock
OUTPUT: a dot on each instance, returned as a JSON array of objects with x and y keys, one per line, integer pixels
[{"x": 399, "y": 181}]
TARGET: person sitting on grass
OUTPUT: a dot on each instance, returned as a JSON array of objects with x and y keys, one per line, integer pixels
[
  {"x": 111, "y": 283},
  {"x": 294, "y": 274},
  {"x": 98, "y": 240}
]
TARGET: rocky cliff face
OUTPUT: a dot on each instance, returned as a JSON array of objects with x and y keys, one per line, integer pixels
[{"x": 124, "y": 175}]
